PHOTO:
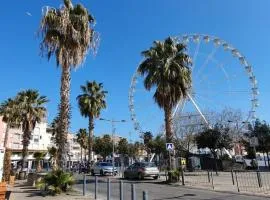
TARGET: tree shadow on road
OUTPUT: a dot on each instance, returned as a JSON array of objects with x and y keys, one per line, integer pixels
[{"x": 177, "y": 197}]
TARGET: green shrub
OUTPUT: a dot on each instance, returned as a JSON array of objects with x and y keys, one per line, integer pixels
[
  {"x": 225, "y": 157},
  {"x": 56, "y": 182},
  {"x": 173, "y": 175},
  {"x": 254, "y": 164}
]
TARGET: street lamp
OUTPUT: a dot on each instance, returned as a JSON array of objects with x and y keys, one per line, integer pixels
[{"x": 112, "y": 121}]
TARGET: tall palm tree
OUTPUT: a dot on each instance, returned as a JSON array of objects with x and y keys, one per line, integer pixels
[
  {"x": 31, "y": 111},
  {"x": 91, "y": 102},
  {"x": 166, "y": 68},
  {"x": 68, "y": 34},
  {"x": 82, "y": 140},
  {"x": 8, "y": 110}
]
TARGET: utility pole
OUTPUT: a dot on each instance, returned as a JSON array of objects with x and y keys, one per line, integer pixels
[{"x": 112, "y": 121}]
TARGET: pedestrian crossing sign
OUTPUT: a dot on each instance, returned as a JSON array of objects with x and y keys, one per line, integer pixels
[{"x": 169, "y": 146}]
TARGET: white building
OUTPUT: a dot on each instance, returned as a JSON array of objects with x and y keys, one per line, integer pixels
[{"x": 41, "y": 140}]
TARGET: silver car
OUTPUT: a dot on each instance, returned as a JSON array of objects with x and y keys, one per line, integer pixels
[
  {"x": 103, "y": 168},
  {"x": 141, "y": 169}
]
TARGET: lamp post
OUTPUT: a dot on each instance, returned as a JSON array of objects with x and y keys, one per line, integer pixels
[{"x": 112, "y": 121}]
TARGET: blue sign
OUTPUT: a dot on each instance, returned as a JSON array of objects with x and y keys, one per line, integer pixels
[{"x": 169, "y": 146}]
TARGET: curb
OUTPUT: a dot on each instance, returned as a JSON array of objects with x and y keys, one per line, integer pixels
[{"x": 223, "y": 191}]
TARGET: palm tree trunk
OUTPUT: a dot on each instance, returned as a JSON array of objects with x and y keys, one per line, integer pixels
[
  {"x": 26, "y": 141},
  {"x": 168, "y": 123},
  {"x": 6, "y": 135},
  {"x": 168, "y": 128},
  {"x": 6, "y": 173},
  {"x": 64, "y": 114},
  {"x": 90, "y": 140},
  {"x": 85, "y": 154},
  {"x": 81, "y": 154}
]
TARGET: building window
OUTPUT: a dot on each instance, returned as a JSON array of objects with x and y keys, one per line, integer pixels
[
  {"x": 17, "y": 136},
  {"x": 36, "y": 138}
]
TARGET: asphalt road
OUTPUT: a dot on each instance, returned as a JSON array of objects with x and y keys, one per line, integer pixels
[{"x": 156, "y": 190}]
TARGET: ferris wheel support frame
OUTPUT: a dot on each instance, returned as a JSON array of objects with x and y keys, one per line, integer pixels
[{"x": 198, "y": 109}]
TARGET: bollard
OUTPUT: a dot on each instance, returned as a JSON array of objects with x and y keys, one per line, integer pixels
[
  {"x": 183, "y": 178},
  {"x": 108, "y": 189},
  {"x": 133, "y": 192},
  {"x": 237, "y": 182},
  {"x": 212, "y": 178},
  {"x": 232, "y": 177},
  {"x": 145, "y": 195},
  {"x": 121, "y": 190},
  {"x": 259, "y": 178},
  {"x": 96, "y": 186},
  {"x": 208, "y": 174},
  {"x": 84, "y": 185}
]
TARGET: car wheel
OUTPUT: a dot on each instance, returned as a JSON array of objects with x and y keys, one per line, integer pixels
[
  {"x": 126, "y": 176},
  {"x": 155, "y": 177},
  {"x": 140, "y": 176},
  {"x": 101, "y": 173}
]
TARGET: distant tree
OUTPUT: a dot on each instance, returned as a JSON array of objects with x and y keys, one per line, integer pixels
[
  {"x": 131, "y": 151},
  {"x": 39, "y": 156},
  {"x": 82, "y": 139},
  {"x": 148, "y": 144},
  {"x": 53, "y": 157},
  {"x": 103, "y": 146},
  {"x": 261, "y": 130},
  {"x": 123, "y": 146},
  {"x": 214, "y": 139},
  {"x": 55, "y": 130},
  {"x": 91, "y": 102}
]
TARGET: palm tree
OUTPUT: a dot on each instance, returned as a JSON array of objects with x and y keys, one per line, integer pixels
[
  {"x": 39, "y": 156},
  {"x": 8, "y": 111},
  {"x": 82, "y": 140},
  {"x": 53, "y": 157},
  {"x": 166, "y": 68},
  {"x": 55, "y": 130},
  {"x": 90, "y": 102},
  {"x": 31, "y": 111},
  {"x": 67, "y": 33}
]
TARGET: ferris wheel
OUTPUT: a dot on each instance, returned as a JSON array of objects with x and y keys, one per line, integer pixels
[{"x": 221, "y": 78}]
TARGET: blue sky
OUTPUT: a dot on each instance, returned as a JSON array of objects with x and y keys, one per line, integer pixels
[{"x": 126, "y": 28}]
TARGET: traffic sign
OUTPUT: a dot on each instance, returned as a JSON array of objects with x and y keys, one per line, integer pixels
[
  {"x": 253, "y": 142},
  {"x": 169, "y": 146}
]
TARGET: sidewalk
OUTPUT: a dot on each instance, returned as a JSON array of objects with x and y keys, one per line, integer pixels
[{"x": 20, "y": 191}]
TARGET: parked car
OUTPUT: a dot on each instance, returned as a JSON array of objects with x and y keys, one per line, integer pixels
[
  {"x": 141, "y": 169},
  {"x": 103, "y": 168}
]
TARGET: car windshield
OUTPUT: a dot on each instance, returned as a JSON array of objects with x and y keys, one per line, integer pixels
[
  {"x": 148, "y": 164},
  {"x": 106, "y": 164}
]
